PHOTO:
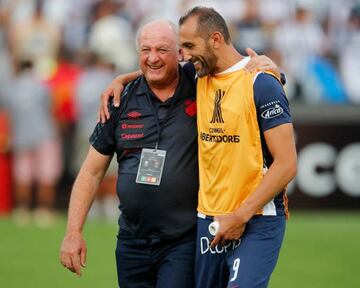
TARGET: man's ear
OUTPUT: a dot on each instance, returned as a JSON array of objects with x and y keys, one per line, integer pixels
[
  {"x": 216, "y": 39},
  {"x": 180, "y": 55}
]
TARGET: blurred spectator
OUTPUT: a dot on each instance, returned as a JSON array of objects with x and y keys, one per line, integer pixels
[
  {"x": 92, "y": 82},
  {"x": 337, "y": 25},
  {"x": 76, "y": 25},
  {"x": 4, "y": 131},
  {"x": 143, "y": 11},
  {"x": 18, "y": 11},
  {"x": 36, "y": 39},
  {"x": 273, "y": 12},
  {"x": 350, "y": 56},
  {"x": 62, "y": 86},
  {"x": 35, "y": 145},
  {"x": 299, "y": 39},
  {"x": 249, "y": 30},
  {"x": 5, "y": 163},
  {"x": 73, "y": 19},
  {"x": 112, "y": 36},
  {"x": 5, "y": 62},
  {"x": 59, "y": 11}
]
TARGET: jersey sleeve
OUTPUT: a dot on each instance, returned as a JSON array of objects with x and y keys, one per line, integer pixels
[
  {"x": 103, "y": 136},
  {"x": 271, "y": 103}
]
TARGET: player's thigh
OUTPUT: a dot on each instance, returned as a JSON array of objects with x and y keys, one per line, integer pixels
[
  {"x": 210, "y": 266},
  {"x": 134, "y": 268},
  {"x": 252, "y": 262},
  {"x": 177, "y": 266}
]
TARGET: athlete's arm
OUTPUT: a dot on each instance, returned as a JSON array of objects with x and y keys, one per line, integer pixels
[
  {"x": 73, "y": 248},
  {"x": 114, "y": 90},
  {"x": 281, "y": 144},
  {"x": 280, "y": 141}
]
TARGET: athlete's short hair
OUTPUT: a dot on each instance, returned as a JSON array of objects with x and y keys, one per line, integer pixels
[{"x": 208, "y": 21}]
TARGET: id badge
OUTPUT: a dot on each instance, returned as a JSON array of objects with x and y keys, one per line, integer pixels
[{"x": 151, "y": 166}]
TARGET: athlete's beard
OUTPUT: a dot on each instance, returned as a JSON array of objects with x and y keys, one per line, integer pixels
[{"x": 208, "y": 64}]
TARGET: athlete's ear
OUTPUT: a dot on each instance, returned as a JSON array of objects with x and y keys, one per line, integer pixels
[{"x": 216, "y": 39}]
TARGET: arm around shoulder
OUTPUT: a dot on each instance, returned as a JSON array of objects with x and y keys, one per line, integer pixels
[
  {"x": 114, "y": 89},
  {"x": 261, "y": 63}
]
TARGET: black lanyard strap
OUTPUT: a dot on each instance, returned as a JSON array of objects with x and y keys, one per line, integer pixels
[{"x": 155, "y": 111}]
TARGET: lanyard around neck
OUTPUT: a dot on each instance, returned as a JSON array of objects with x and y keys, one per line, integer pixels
[{"x": 155, "y": 112}]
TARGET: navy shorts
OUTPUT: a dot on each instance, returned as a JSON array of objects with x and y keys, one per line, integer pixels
[
  {"x": 244, "y": 263},
  {"x": 156, "y": 263}
]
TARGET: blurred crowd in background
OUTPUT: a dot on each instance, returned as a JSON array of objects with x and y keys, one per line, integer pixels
[{"x": 57, "y": 56}]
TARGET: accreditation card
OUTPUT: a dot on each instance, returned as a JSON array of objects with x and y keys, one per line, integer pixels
[{"x": 151, "y": 166}]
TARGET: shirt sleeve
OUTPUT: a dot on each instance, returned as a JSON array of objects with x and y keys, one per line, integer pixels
[
  {"x": 190, "y": 70},
  {"x": 271, "y": 103},
  {"x": 103, "y": 136}
]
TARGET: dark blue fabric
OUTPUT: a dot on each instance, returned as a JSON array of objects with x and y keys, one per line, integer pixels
[
  {"x": 150, "y": 263},
  {"x": 271, "y": 103},
  {"x": 210, "y": 268},
  {"x": 149, "y": 211},
  {"x": 257, "y": 255}
]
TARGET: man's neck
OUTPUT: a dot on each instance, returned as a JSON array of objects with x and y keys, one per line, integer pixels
[
  {"x": 164, "y": 91},
  {"x": 229, "y": 56}
]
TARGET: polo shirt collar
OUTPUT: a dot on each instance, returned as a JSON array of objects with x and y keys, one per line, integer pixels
[{"x": 184, "y": 89}]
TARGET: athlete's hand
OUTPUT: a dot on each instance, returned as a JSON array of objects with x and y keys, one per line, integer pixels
[
  {"x": 113, "y": 90},
  {"x": 73, "y": 252},
  {"x": 260, "y": 63},
  {"x": 230, "y": 228}
]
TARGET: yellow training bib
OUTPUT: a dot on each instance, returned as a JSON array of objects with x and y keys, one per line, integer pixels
[{"x": 230, "y": 151}]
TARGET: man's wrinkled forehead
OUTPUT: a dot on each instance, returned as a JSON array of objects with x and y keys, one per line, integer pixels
[{"x": 158, "y": 31}]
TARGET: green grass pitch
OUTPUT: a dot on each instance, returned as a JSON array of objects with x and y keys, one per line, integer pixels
[{"x": 321, "y": 250}]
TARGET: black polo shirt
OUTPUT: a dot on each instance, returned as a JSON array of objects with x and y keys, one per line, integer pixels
[{"x": 148, "y": 211}]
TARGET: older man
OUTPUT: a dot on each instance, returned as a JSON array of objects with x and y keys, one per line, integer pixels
[{"x": 154, "y": 137}]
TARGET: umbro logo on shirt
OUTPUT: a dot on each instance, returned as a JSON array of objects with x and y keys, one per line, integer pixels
[{"x": 133, "y": 115}]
